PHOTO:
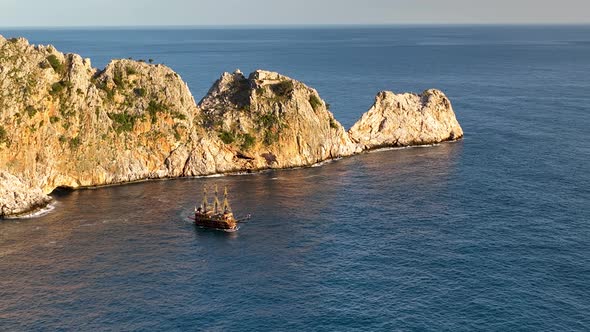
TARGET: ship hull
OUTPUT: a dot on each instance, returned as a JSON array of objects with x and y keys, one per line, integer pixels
[{"x": 217, "y": 224}]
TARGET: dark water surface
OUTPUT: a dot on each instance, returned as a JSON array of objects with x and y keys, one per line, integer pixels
[{"x": 490, "y": 233}]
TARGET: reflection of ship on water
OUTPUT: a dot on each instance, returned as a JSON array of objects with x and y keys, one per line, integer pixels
[{"x": 216, "y": 216}]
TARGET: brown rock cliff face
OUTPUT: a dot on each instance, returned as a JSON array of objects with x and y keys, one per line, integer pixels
[{"x": 66, "y": 124}]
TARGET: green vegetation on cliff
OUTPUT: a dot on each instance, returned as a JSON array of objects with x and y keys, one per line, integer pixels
[
  {"x": 31, "y": 111},
  {"x": 56, "y": 64},
  {"x": 271, "y": 125},
  {"x": 155, "y": 107},
  {"x": 283, "y": 89},
  {"x": 118, "y": 79},
  {"x": 130, "y": 70},
  {"x": 124, "y": 122},
  {"x": 139, "y": 92},
  {"x": 3, "y": 135},
  {"x": 245, "y": 140},
  {"x": 74, "y": 142},
  {"x": 315, "y": 102},
  {"x": 57, "y": 88},
  {"x": 333, "y": 124},
  {"x": 227, "y": 137}
]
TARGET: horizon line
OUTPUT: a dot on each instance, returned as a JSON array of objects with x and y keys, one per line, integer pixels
[{"x": 299, "y": 25}]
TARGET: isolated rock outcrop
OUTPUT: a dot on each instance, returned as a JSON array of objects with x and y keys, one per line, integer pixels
[
  {"x": 66, "y": 124},
  {"x": 407, "y": 119},
  {"x": 17, "y": 198}
]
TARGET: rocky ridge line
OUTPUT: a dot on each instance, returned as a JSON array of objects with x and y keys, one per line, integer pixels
[{"x": 66, "y": 124}]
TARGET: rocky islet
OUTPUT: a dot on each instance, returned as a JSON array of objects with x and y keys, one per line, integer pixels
[{"x": 64, "y": 123}]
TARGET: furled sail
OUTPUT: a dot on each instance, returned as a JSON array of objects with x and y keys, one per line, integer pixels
[
  {"x": 226, "y": 207},
  {"x": 216, "y": 201},
  {"x": 205, "y": 203}
]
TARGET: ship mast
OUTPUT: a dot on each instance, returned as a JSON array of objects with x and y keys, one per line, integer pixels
[
  {"x": 226, "y": 207},
  {"x": 216, "y": 201},
  {"x": 205, "y": 202}
]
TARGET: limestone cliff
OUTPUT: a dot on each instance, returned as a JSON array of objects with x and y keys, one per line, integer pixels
[
  {"x": 66, "y": 124},
  {"x": 407, "y": 119},
  {"x": 271, "y": 120},
  {"x": 17, "y": 197}
]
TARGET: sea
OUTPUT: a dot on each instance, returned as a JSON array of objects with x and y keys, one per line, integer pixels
[{"x": 489, "y": 233}]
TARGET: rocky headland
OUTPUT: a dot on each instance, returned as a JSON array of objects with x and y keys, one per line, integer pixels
[{"x": 64, "y": 123}]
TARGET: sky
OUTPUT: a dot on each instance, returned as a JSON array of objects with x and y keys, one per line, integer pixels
[{"x": 64, "y": 13}]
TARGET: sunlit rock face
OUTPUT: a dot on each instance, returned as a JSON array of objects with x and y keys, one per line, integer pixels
[
  {"x": 66, "y": 124},
  {"x": 407, "y": 119},
  {"x": 271, "y": 120},
  {"x": 17, "y": 198}
]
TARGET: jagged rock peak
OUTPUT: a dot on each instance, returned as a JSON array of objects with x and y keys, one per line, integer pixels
[
  {"x": 407, "y": 119},
  {"x": 229, "y": 92},
  {"x": 281, "y": 116}
]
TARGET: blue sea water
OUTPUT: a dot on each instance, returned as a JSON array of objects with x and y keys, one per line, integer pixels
[{"x": 489, "y": 233}]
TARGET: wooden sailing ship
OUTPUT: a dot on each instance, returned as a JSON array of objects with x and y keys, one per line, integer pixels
[{"x": 218, "y": 216}]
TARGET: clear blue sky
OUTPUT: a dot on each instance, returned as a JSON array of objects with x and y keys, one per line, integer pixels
[{"x": 278, "y": 12}]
